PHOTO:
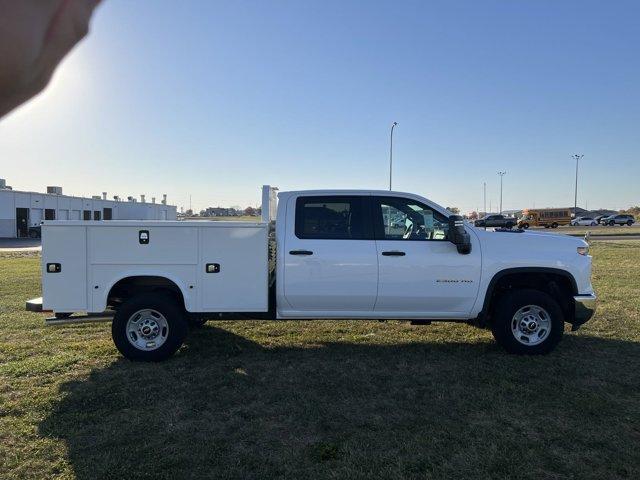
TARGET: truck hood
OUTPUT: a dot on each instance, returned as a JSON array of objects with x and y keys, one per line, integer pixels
[{"x": 528, "y": 239}]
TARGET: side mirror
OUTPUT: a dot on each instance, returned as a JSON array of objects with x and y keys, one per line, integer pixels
[{"x": 458, "y": 235}]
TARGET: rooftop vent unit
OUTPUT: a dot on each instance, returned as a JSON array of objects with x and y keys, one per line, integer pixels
[
  {"x": 54, "y": 190},
  {"x": 164, "y": 198},
  {"x": 142, "y": 198},
  {"x": 3, "y": 183},
  {"x": 153, "y": 199},
  {"x": 104, "y": 195},
  {"x": 96, "y": 197},
  {"x": 130, "y": 198},
  {"x": 116, "y": 198}
]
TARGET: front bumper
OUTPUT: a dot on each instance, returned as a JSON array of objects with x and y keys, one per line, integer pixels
[{"x": 585, "y": 307}]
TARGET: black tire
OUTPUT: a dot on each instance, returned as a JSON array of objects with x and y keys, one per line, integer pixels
[
  {"x": 168, "y": 308},
  {"x": 554, "y": 225},
  {"x": 525, "y": 226},
  {"x": 504, "y": 313},
  {"x": 629, "y": 222},
  {"x": 62, "y": 315},
  {"x": 509, "y": 225},
  {"x": 612, "y": 223}
]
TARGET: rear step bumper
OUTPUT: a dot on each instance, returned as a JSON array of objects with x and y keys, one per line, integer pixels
[{"x": 34, "y": 305}]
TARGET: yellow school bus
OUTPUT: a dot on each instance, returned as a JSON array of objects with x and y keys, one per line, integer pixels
[{"x": 544, "y": 217}]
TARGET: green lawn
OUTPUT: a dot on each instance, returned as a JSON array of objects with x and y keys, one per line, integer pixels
[{"x": 323, "y": 399}]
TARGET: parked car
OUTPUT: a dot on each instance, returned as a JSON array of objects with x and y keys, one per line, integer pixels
[
  {"x": 599, "y": 218},
  {"x": 588, "y": 221},
  {"x": 495, "y": 221},
  {"x": 321, "y": 254},
  {"x": 621, "y": 219}
]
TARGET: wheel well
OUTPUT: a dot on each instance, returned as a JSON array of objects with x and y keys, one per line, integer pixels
[
  {"x": 560, "y": 286},
  {"x": 130, "y": 286}
]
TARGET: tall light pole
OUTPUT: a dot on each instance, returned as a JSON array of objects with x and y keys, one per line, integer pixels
[
  {"x": 575, "y": 199},
  {"x": 393, "y": 125},
  {"x": 502, "y": 174},
  {"x": 484, "y": 187}
]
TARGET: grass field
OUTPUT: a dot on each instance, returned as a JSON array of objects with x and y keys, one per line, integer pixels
[{"x": 323, "y": 399}]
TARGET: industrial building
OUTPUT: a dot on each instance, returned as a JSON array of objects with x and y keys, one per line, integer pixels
[{"x": 21, "y": 211}]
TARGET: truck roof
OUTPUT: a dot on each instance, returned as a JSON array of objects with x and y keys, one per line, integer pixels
[{"x": 383, "y": 193}]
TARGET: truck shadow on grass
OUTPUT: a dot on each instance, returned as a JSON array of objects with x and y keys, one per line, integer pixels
[{"x": 227, "y": 407}]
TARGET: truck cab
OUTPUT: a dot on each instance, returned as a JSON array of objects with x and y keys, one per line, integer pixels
[{"x": 316, "y": 254}]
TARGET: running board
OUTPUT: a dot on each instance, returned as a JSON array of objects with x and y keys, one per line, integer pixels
[{"x": 88, "y": 318}]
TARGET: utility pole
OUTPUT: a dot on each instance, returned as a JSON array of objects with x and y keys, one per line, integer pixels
[
  {"x": 502, "y": 174},
  {"x": 393, "y": 125},
  {"x": 575, "y": 200}
]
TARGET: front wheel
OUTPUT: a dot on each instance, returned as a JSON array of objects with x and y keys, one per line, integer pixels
[
  {"x": 554, "y": 225},
  {"x": 149, "y": 327},
  {"x": 629, "y": 222},
  {"x": 528, "y": 322}
]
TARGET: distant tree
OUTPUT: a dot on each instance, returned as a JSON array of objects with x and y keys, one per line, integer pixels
[
  {"x": 250, "y": 211},
  {"x": 474, "y": 215},
  {"x": 635, "y": 211},
  {"x": 454, "y": 210},
  {"x": 189, "y": 212}
]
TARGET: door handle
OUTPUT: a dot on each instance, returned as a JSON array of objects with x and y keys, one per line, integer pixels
[
  {"x": 394, "y": 253},
  {"x": 300, "y": 252}
]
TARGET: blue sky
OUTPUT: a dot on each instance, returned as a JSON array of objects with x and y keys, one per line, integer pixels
[{"x": 212, "y": 99}]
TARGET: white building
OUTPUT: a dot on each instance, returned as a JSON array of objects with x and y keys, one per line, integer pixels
[{"x": 21, "y": 210}]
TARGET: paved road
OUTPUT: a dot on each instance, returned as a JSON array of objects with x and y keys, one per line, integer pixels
[
  {"x": 20, "y": 245},
  {"x": 612, "y": 238}
]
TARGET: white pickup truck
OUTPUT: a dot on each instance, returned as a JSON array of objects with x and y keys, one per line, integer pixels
[{"x": 329, "y": 254}]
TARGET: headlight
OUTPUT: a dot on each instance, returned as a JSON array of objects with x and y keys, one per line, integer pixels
[{"x": 583, "y": 250}]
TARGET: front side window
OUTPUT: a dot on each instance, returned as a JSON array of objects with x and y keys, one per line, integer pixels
[
  {"x": 332, "y": 218},
  {"x": 405, "y": 219}
]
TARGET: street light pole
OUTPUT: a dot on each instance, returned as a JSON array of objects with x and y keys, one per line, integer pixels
[
  {"x": 393, "y": 125},
  {"x": 484, "y": 187},
  {"x": 502, "y": 174},
  {"x": 575, "y": 199}
]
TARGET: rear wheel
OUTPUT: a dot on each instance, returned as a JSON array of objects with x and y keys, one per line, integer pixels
[
  {"x": 527, "y": 322},
  {"x": 554, "y": 225},
  {"x": 149, "y": 327}
]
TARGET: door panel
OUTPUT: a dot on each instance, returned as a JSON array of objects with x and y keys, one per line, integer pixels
[
  {"x": 340, "y": 275},
  {"x": 420, "y": 271},
  {"x": 431, "y": 277},
  {"x": 330, "y": 259}
]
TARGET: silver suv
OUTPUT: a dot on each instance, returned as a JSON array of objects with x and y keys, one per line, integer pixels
[{"x": 618, "y": 220}]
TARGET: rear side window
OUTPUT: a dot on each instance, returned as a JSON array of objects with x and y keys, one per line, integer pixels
[{"x": 332, "y": 218}]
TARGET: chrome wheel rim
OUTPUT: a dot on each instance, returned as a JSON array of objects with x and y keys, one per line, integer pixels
[
  {"x": 147, "y": 329},
  {"x": 531, "y": 325}
]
